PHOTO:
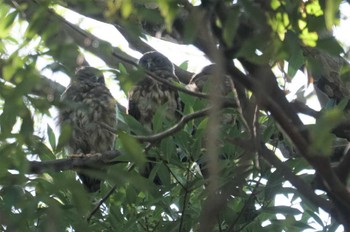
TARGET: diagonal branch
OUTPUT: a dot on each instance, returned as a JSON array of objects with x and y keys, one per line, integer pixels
[
  {"x": 177, "y": 127},
  {"x": 97, "y": 206},
  {"x": 172, "y": 130},
  {"x": 141, "y": 46}
]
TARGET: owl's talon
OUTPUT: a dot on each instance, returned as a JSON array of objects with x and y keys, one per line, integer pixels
[
  {"x": 94, "y": 154},
  {"x": 77, "y": 155}
]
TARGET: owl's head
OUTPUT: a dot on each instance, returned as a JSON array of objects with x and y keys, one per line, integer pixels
[
  {"x": 199, "y": 80},
  {"x": 155, "y": 61},
  {"x": 89, "y": 74}
]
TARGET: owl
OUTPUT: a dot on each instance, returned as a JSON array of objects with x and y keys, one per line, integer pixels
[
  {"x": 197, "y": 84},
  {"x": 88, "y": 103},
  {"x": 148, "y": 95},
  {"x": 199, "y": 80}
]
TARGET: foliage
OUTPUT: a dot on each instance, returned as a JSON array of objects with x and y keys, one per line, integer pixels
[{"x": 238, "y": 144}]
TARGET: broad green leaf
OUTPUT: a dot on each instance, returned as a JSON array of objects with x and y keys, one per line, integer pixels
[
  {"x": 132, "y": 148},
  {"x": 322, "y": 138},
  {"x": 127, "y": 8},
  {"x": 295, "y": 62},
  {"x": 168, "y": 10},
  {"x": 65, "y": 136},
  {"x": 184, "y": 65},
  {"x": 231, "y": 26},
  {"x": 332, "y": 8},
  {"x": 43, "y": 151},
  {"x": 27, "y": 126}
]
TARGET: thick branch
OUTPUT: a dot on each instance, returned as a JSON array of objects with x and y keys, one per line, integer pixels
[{"x": 38, "y": 167}]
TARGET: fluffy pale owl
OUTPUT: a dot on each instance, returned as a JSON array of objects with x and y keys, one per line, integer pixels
[
  {"x": 148, "y": 95},
  {"x": 88, "y": 103}
]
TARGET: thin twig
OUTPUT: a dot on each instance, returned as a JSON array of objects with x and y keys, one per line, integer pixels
[
  {"x": 250, "y": 198},
  {"x": 185, "y": 199},
  {"x": 172, "y": 130},
  {"x": 172, "y": 173},
  {"x": 97, "y": 206}
]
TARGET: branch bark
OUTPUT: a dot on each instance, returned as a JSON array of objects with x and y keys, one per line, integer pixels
[{"x": 39, "y": 167}]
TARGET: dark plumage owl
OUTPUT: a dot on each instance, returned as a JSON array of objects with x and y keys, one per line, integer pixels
[
  {"x": 148, "y": 94},
  {"x": 197, "y": 84},
  {"x": 199, "y": 80},
  {"x": 87, "y": 103}
]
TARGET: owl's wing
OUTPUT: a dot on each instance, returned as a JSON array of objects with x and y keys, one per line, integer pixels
[
  {"x": 134, "y": 98},
  {"x": 67, "y": 99},
  {"x": 173, "y": 78}
]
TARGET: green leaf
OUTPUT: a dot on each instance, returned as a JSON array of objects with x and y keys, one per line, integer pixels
[
  {"x": 52, "y": 137},
  {"x": 43, "y": 151},
  {"x": 128, "y": 80},
  {"x": 132, "y": 148},
  {"x": 65, "y": 136},
  {"x": 168, "y": 147},
  {"x": 332, "y": 8},
  {"x": 322, "y": 138},
  {"x": 8, "y": 116},
  {"x": 27, "y": 127},
  {"x": 231, "y": 26},
  {"x": 168, "y": 10},
  {"x": 184, "y": 65},
  {"x": 126, "y": 8},
  {"x": 295, "y": 62},
  {"x": 330, "y": 45},
  {"x": 159, "y": 118},
  {"x": 9, "y": 20},
  {"x": 130, "y": 124}
]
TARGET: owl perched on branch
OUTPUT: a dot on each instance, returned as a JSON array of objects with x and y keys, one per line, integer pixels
[
  {"x": 149, "y": 95},
  {"x": 199, "y": 80},
  {"x": 87, "y": 104}
]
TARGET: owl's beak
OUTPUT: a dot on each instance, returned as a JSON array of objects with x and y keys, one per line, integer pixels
[{"x": 149, "y": 65}]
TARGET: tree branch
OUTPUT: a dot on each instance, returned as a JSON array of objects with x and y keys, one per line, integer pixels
[
  {"x": 139, "y": 45},
  {"x": 177, "y": 127},
  {"x": 39, "y": 167},
  {"x": 162, "y": 80},
  {"x": 104, "y": 199}
]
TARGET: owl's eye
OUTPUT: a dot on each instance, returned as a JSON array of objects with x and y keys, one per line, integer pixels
[{"x": 100, "y": 79}]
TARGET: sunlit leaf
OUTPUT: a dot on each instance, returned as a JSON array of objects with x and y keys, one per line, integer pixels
[
  {"x": 322, "y": 138},
  {"x": 231, "y": 26},
  {"x": 332, "y": 8}
]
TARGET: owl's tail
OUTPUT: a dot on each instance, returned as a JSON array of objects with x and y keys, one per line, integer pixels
[{"x": 91, "y": 184}]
